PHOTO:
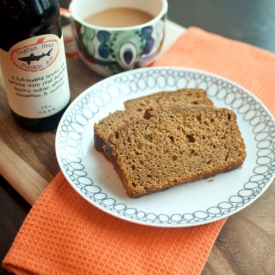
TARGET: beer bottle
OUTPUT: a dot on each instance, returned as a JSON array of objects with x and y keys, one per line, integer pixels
[{"x": 33, "y": 62}]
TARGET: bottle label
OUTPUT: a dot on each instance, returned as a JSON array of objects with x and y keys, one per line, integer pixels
[{"x": 35, "y": 75}]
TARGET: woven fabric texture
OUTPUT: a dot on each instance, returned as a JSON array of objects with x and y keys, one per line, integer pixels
[{"x": 64, "y": 234}]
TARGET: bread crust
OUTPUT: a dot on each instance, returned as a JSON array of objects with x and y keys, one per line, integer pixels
[{"x": 102, "y": 129}]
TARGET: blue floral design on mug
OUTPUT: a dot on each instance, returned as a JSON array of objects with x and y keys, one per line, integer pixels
[{"x": 113, "y": 51}]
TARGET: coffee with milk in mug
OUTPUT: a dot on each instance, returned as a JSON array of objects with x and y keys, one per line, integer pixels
[
  {"x": 119, "y": 17},
  {"x": 115, "y": 36}
]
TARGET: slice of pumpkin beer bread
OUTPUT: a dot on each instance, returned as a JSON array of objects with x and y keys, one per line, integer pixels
[
  {"x": 135, "y": 108},
  {"x": 174, "y": 145},
  {"x": 186, "y": 96}
]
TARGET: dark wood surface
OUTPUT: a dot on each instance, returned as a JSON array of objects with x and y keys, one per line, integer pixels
[{"x": 250, "y": 21}]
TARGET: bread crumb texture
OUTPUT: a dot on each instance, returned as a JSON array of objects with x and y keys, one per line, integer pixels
[
  {"x": 135, "y": 108},
  {"x": 175, "y": 145}
]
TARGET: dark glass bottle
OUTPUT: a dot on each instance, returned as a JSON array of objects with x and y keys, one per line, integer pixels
[{"x": 33, "y": 62}]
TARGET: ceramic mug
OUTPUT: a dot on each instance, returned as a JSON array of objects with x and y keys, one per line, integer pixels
[{"x": 109, "y": 50}]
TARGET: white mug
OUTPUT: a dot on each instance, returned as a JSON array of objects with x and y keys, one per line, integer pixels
[{"x": 110, "y": 50}]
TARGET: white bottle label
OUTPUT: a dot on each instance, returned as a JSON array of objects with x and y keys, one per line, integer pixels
[{"x": 35, "y": 75}]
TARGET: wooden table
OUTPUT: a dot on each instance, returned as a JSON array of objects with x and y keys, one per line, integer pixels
[{"x": 246, "y": 244}]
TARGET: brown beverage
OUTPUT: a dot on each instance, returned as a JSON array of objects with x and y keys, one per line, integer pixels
[{"x": 119, "y": 17}]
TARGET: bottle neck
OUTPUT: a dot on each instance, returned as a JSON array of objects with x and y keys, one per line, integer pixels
[
  {"x": 40, "y": 9},
  {"x": 22, "y": 19}
]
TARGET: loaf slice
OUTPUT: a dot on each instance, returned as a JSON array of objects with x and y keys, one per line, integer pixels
[
  {"x": 138, "y": 106},
  {"x": 175, "y": 145},
  {"x": 135, "y": 108}
]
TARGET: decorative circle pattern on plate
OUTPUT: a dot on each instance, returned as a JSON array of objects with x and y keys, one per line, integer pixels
[{"x": 210, "y": 201}]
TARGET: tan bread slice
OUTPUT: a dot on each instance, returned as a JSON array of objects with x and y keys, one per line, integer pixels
[
  {"x": 135, "y": 108},
  {"x": 175, "y": 145}
]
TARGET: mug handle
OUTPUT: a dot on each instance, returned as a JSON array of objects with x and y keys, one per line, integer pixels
[{"x": 65, "y": 13}]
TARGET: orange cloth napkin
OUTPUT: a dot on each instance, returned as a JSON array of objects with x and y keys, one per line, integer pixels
[{"x": 64, "y": 234}]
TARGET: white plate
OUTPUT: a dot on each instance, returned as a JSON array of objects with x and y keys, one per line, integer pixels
[{"x": 196, "y": 203}]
